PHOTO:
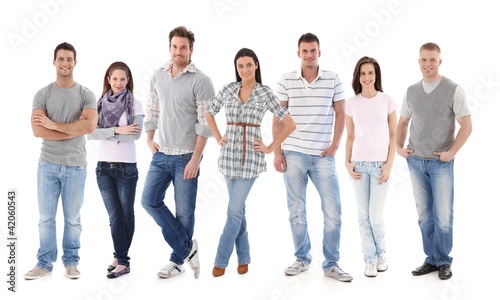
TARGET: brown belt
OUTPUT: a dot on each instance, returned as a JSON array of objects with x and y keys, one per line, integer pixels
[{"x": 244, "y": 125}]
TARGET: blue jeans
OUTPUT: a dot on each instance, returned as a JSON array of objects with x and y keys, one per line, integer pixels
[
  {"x": 433, "y": 186},
  {"x": 370, "y": 199},
  {"x": 177, "y": 230},
  {"x": 117, "y": 183},
  {"x": 54, "y": 181},
  {"x": 322, "y": 172},
  {"x": 235, "y": 230}
]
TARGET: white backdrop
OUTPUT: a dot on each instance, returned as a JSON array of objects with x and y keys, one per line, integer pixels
[{"x": 136, "y": 32}]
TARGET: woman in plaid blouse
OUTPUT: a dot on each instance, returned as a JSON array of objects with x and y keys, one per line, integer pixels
[{"x": 242, "y": 156}]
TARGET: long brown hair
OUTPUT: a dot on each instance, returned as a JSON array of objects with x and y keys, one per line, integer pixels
[
  {"x": 120, "y": 66},
  {"x": 356, "y": 85}
]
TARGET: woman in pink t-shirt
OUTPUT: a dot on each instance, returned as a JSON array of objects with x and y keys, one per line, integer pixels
[{"x": 370, "y": 147}]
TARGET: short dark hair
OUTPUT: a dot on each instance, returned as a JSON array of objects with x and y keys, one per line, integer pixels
[
  {"x": 118, "y": 65},
  {"x": 430, "y": 47},
  {"x": 181, "y": 31},
  {"x": 249, "y": 53},
  {"x": 356, "y": 85},
  {"x": 65, "y": 46},
  {"x": 308, "y": 38}
]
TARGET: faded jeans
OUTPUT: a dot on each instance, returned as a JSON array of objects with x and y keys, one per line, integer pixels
[
  {"x": 322, "y": 172},
  {"x": 54, "y": 181},
  {"x": 370, "y": 200},
  {"x": 235, "y": 231},
  {"x": 433, "y": 189}
]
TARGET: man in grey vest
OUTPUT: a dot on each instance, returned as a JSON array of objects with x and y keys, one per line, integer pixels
[
  {"x": 433, "y": 104},
  {"x": 180, "y": 94}
]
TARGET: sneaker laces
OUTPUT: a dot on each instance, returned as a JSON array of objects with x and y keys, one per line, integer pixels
[
  {"x": 297, "y": 264},
  {"x": 338, "y": 270},
  {"x": 169, "y": 268},
  {"x": 73, "y": 268}
]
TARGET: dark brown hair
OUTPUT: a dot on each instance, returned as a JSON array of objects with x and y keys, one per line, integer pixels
[
  {"x": 181, "y": 31},
  {"x": 356, "y": 85},
  {"x": 308, "y": 38},
  {"x": 65, "y": 46}
]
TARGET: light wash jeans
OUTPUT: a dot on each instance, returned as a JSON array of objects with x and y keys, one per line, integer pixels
[
  {"x": 117, "y": 183},
  {"x": 322, "y": 171},
  {"x": 235, "y": 231},
  {"x": 54, "y": 181},
  {"x": 433, "y": 188},
  {"x": 177, "y": 229},
  {"x": 370, "y": 199}
]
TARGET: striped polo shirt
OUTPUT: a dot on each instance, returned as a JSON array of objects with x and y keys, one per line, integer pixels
[{"x": 311, "y": 106}]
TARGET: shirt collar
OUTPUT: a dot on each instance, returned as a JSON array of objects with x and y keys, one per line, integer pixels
[
  {"x": 189, "y": 68},
  {"x": 299, "y": 73}
]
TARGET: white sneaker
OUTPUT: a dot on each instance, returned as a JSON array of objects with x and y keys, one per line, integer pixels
[
  {"x": 193, "y": 259},
  {"x": 371, "y": 269},
  {"x": 171, "y": 270},
  {"x": 382, "y": 264},
  {"x": 296, "y": 268},
  {"x": 338, "y": 273}
]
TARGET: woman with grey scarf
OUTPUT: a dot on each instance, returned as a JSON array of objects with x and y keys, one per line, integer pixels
[{"x": 119, "y": 126}]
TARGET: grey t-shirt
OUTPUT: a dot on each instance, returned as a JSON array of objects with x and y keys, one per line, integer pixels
[{"x": 64, "y": 105}]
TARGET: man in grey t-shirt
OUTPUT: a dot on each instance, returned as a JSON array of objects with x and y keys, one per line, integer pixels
[
  {"x": 433, "y": 105},
  {"x": 63, "y": 112}
]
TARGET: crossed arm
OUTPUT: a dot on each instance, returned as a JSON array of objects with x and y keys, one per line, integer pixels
[{"x": 45, "y": 128}]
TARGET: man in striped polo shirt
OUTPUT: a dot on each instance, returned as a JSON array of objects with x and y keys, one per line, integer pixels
[{"x": 315, "y": 100}]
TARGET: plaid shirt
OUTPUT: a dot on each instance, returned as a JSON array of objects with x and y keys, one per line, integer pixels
[{"x": 252, "y": 112}]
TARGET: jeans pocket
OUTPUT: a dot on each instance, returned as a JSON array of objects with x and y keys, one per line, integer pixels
[
  {"x": 130, "y": 173},
  {"x": 187, "y": 156}
]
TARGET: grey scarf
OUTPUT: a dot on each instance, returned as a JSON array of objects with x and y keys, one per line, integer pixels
[{"x": 111, "y": 107}]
